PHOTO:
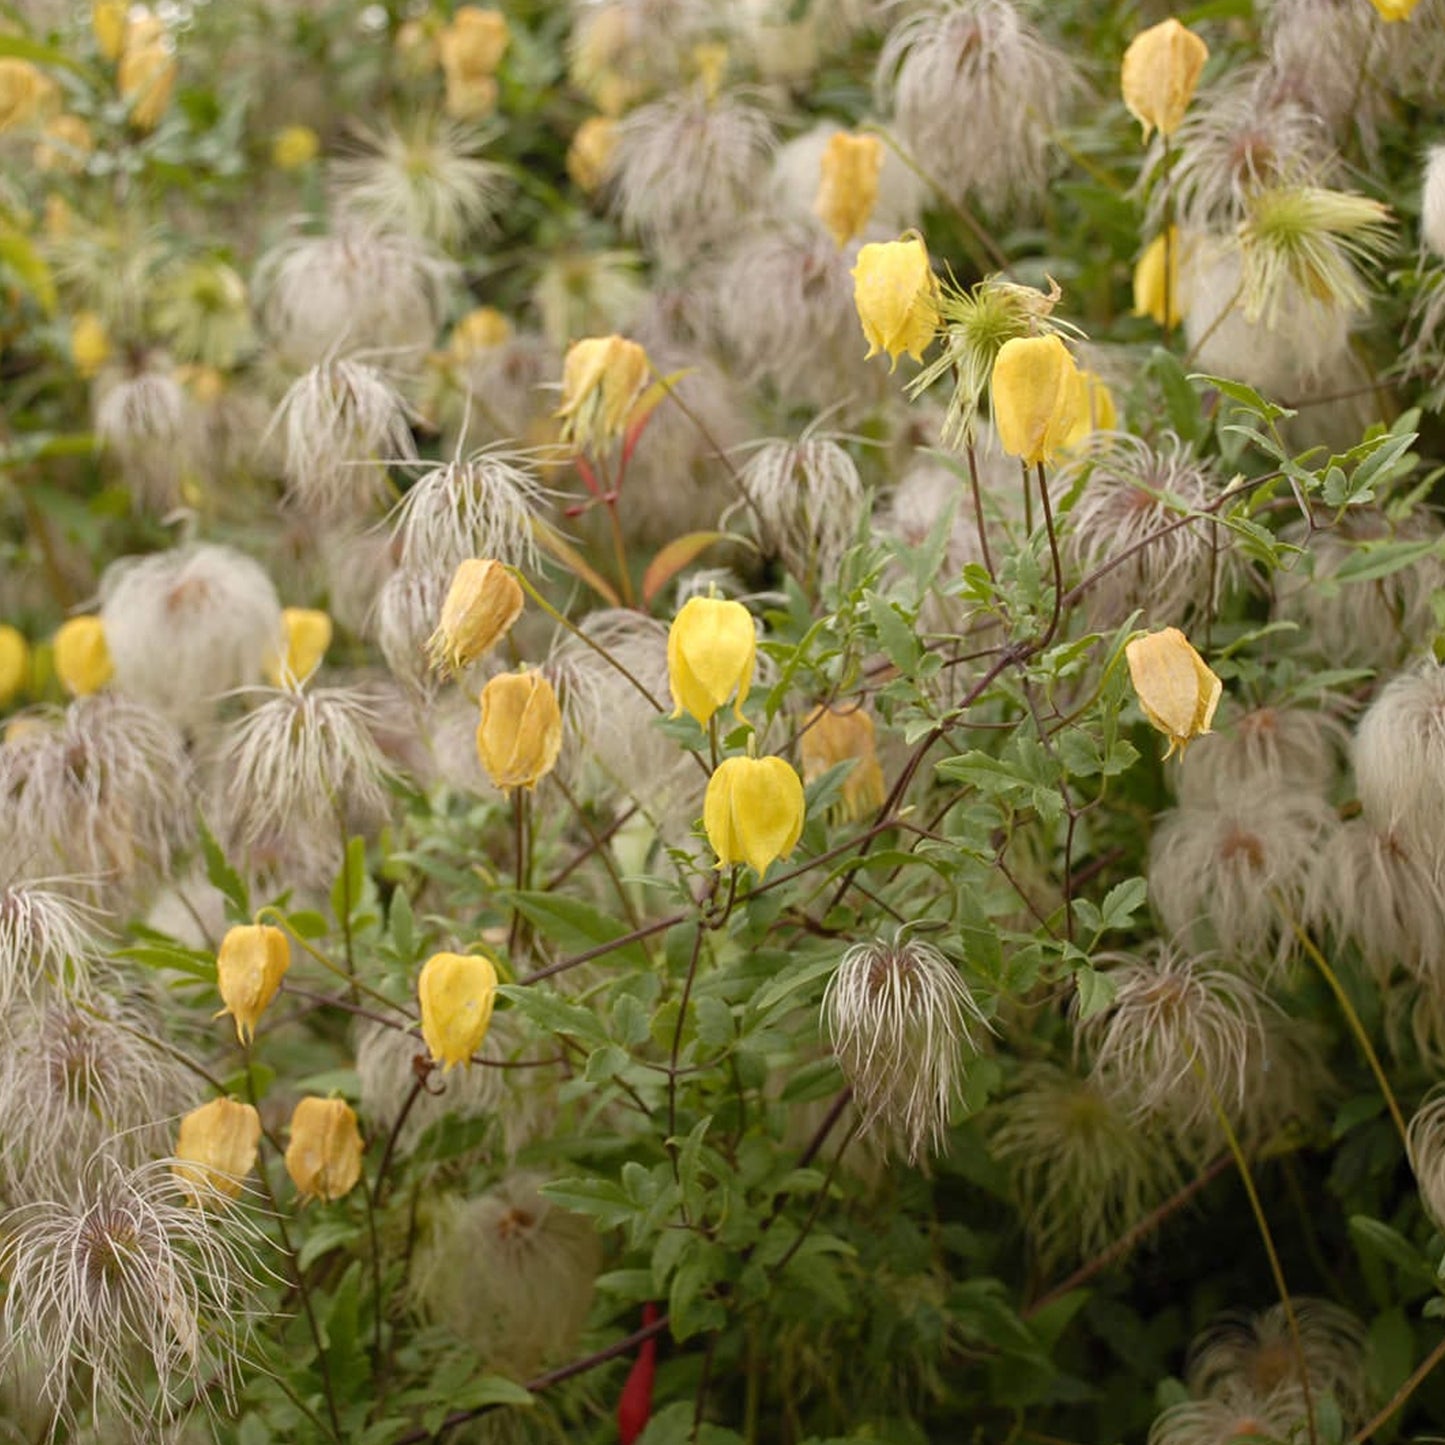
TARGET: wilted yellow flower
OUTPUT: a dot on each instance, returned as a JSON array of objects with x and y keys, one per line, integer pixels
[
  {"x": 295, "y": 146},
  {"x": 753, "y": 811},
  {"x": 456, "y": 991},
  {"x": 14, "y": 663},
  {"x": 520, "y": 732},
  {"x": 831, "y": 736},
  {"x": 1177, "y": 691},
  {"x": 1150, "y": 289},
  {"x": 146, "y": 77},
  {"x": 1040, "y": 398},
  {"x": 712, "y": 647},
  {"x": 602, "y": 379},
  {"x": 24, "y": 89},
  {"x": 107, "y": 23},
  {"x": 1160, "y": 70},
  {"x": 589, "y": 157},
  {"x": 82, "y": 657},
  {"x": 89, "y": 343},
  {"x": 252, "y": 960},
  {"x": 66, "y": 143},
  {"x": 307, "y": 635},
  {"x": 323, "y": 1156},
  {"x": 1392, "y": 10},
  {"x": 479, "y": 330},
  {"x": 216, "y": 1148},
  {"x": 896, "y": 294},
  {"x": 470, "y": 49},
  {"x": 848, "y": 189},
  {"x": 481, "y": 605}
]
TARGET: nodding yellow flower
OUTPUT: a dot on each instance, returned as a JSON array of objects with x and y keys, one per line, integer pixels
[
  {"x": 89, "y": 343},
  {"x": 479, "y": 330},
  {"x": 848, "y": 188},
  {"x": 64, "y": 146},
  {"x": 14, "y": 663},
  {"x": 470, "y": 49},
  {"x": 481, "y": 605},
  {"x": 107, "y": 24},
  {"x": 24, "y": 91},
  {"x": 216, "y": 1148},
  {"x": 602, "y": 379},
  {"x": 1150, "y": 290},
  {"x": 1103, "y": 413},
  {"x": 323, "y": 1156},
  {"x": 1392, "y": 10},
  {"x": 896, "y": 294},
  {"x": 294, "y": 146},
  {"x": 712, "y": 648},
  {"x": 1160, "y": 70},
  {"x": 250, "y": 964},
  {"x": 82, "y": 656},
  {"x": 456, "y": 992},
  {"x": 1040, "y": 398},
  {"x": 520, "y": 731},
  {"x": 589, "y": 157},
  {"x": 1177, "y": 691},
  {"x": 306, "y": 632},
  {"x": 831, "y": 736},
  {"x": 145, "y": 79},
  {"x": 753, "y": 811}
]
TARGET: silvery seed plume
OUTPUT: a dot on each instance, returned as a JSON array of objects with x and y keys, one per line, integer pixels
[
  {"x": 1262, "y": 750},
  {"x": 48, "y": 936},
  {"x": 143, "y": 419},
  {"x": 188, "y": 625},
  {"x": 1426, "y": 1138},
  {"x": 898, "y": 1015},
  {"x": 1276, "y": 1418}
]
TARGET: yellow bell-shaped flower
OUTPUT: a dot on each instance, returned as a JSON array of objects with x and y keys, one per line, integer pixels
[
  {"x": 1040, "y": 398},
  {"x": 848, "y": 188},
  {"x": 89, "y": 343},
  {"x": 82, "y": 656},
  {"x": 752, "y": 811},
  {"x": 1177, "y": 691},
  {"x": 712, "y": 648},
  {"x": 520, "y": 731},
  {"x": 602, "y": 379},
  {"x": 323, "y": 1156},
  {"x": 24, "y": 91},
  {"x": 896, "y": 294},
  {"x": 252, "y": 960},
  {"x": 216, "y": 1149},
  {"x": 470, "y": 49},
  {"x": 479, "y": 330},
  {"x": 589, "y": 157},
  {"x": 481, "y": 605},
  {"x": 294, "y": 146},
  {"x": 307, "y": 634},
  {"x": 107, "y": 24},
  {"x": 831, "y": 736},
  {"x": 1160, "y": 70},
  {"x": 457, "y": 992},
  {"x": 1392, "y": 10},
  {"x": 145, "y": 79},
  {"x": 14, "y": 663},
  {"x": 1153, "y": 297}
]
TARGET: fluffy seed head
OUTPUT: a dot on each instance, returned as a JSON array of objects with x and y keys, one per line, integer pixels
[
  {"x": 1426, "y": 1137},
  {"x": 143, "y": 420},
  {"x": 1263, "y": 750},
  {"x": 1272, "y": 1419}
]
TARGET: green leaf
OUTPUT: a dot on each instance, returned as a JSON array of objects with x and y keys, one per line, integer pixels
[
  {"x": 601, "y": 1199},
  {"x": 223, "y": 877},
  {"x": 349, "y": 889},
  {"x": 793, "y": 978},
  {"x": 1372, "y": 560},
  {"x": 1122, "y": 902},
  {"x": 1246, "y": 396},
  {"x": 1096, "y": 991},
  {"x": 328, "y": 1235},
  {"x": 1390, "y": 1245},
  {"x": 554, "y": 1014},
  {"x": 896, "y": 634},
  {"x": 401, "y": 925},
  {"x": 576, "y": 927}
]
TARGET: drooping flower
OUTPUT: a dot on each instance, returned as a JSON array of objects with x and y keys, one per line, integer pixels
[
  {"x": 1039, "y": 397},
  {"x": 216, "y": 1149},
  {"x": 250, "y": 964},
  {"x": 482, "y": 603},
  {"x": 14, "y": 663},
  {"x": 1159, "y": 72},
  {"x": 456, "y": 992},
  {"x": 896, "y": 294},
  {"x": 519, "y": 733},
  {"x": 848, "y": 186},
  {"x": 711, "y": 653},
  {"x": 323, "y": 1156},
  {"x": 1177, "y": 691},
  {"x": 753, "y": 811},
  {"x": 603, "y": 378},
  {"x": 305, "y": 636},
  {"x": 832, "y": 735}
]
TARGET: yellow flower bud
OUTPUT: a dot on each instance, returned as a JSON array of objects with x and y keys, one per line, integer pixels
[
  {"x": 216, "y": 1148},
  {"x": 831, "y": 736},
  {"x": 146, "y": 77},
  {"x": 602, "y": 379},
  {"x": 89, "y": 343},
  {"x": 520, "y": 732},
  {"x": 482, "y": 603},
  {"x": 24, "y": 90},
  {"x": 65, "y": 145},
  {"x": 294, "y": 146},
  {"x": 107, "y": 23},
  {"x": 753, "y": 811},
  {"x": 712, "y": 647},
  {"x": 896, "y": 294},
  {"x": 1149, "y": 284},
  {"x": 848, "y": 190},
  {"x": 1177, "y": 691},
  {"x": 456, "y": 991},
  {"x": 474, "y": 43},
  {"x": 1040, "y": 399},
  {"x": 589, "y": 157},
  {"x": 307, "y": 635},
  {"x": 323, "y": 1156},
  {"x": 252, "y": 960},
  {"x": 1160, "y": 70},
  {"x": 1392, "y": 10},
  {"x": 478, "y": 331},
  {"x": 82, "y": 658},
  {"x": 14, "y": 663}
]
